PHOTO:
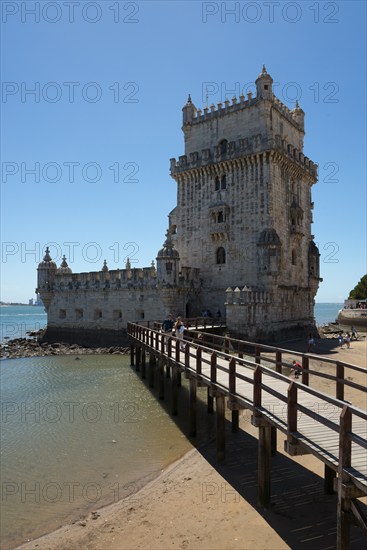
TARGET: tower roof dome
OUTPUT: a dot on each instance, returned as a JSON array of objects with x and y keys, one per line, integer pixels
[
  {"x": 264, "y": 74},
  {"x": 168, "y": 250},
  {"x": 64, "y": 268},
  {"x": 47, "y": 261}
]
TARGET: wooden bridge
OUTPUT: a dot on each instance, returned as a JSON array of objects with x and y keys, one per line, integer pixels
[{"x": 249, "y": 376}]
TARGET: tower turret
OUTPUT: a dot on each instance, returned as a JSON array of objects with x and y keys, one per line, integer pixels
[
  {"x": 167, "y": 262},
  {"x": 299, "y": 116},
  {"x": 264, "y": 85},
  {"x": 45, "y": 277},
  {"x": 188, "y": 112}
]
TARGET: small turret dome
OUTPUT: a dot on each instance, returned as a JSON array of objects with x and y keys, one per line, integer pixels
[
  {"x": 264, "y": 74},
  {"x": 64, "y": 268},
  {"x": 168, "y": 250},
  {"x": 47, "y": 261}
]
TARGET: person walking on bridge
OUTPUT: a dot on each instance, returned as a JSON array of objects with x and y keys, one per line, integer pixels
[
  {"x": 167, "y": 325},
  {"x": 179, "y": 328}
]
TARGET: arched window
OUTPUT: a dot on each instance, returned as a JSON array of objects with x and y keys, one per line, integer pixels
[
  {"x": 223, "y": 183},
  {"x": 221, "y": 255},
  {"x": 220, "y": 217},
  {"x": 217, "y": 184}
]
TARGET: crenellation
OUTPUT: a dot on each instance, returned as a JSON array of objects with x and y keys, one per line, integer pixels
[{"x": 242, "y": 149}]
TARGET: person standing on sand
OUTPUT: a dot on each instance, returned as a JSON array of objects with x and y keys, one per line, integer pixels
[
  {"x": 179, "y": 328},
  {"x": 347, "y": 340},
  {"x": 341, "y": 340},
  {"x": 354, "y": 333},
  {"x": 311, "y": 342}
]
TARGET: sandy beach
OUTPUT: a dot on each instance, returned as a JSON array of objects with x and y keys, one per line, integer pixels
[{"x": 196, "y": 504}]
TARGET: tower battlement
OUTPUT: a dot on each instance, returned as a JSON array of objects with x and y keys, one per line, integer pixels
[
  {"x": 242, "y": 149},
  {"x": 238, "y": 104}
]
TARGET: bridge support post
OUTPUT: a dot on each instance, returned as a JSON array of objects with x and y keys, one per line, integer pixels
[
  {"x": 168, "y": 371},
  {"x": 132, "y": 353},
  {"x": 174, "y": 391},
  {"x": 344, "y": 500},
  {"x": 210, "y": 402},
  {"x": 273, "y": 441},
  {"x": 264, "y": 466},
  {"x": 143, "y": 364},
  {"x": 152, "y": 362},
  {"x": 179, "y": 381},
  {"x": 161, "y": 379},
  {"x": 329, "y": 476},
  {"x": 235, "y": 420},
  {"x": 192, "y": 406},
  {"x": 220, "y": 412},
  {"x": 137, "y": 358}
]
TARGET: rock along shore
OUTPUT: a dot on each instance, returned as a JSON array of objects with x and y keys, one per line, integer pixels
[{"x": 31, "y": 347}]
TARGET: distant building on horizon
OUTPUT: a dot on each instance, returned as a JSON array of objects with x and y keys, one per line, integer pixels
[{"x": 238, "y": 244}]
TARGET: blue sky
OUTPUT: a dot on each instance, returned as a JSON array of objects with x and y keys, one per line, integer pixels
[{"x": 85, "y": 156}]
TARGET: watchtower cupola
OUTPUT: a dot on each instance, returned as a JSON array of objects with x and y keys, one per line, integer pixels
[
  {"x": 264, "y": 85},
  {"x": 64, "y": 268},
  {"x": 298, "y": 115},
  {"x": 46, "y": 271},
  {"x": 167, "y": 262},
  {"x": 188, "y": 112}
]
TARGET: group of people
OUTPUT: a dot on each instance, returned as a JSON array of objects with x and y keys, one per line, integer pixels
[
  {"x": 169, "y": 326},
  {"x": 346, "y": 339}
]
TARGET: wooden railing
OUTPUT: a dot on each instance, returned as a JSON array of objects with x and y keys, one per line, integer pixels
[
  {"x": 227, "y": 347},
  {"x": 260, "y": 380}
]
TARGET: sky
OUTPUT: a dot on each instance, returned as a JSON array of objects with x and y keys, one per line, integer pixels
[{"x": 91, "y": 113}]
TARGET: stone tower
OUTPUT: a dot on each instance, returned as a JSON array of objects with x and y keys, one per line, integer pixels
[
  {"x": 244, "y": 210},
  {"x": 239, "y": 240}
]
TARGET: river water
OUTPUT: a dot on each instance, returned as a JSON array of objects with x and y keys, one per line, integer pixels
[{"x": 76, "y": 435}]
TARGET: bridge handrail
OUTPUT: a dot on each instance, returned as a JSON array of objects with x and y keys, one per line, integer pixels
[
  {"x": 272, "y": 349},
  {"x": 340, "y": 380},
  {"x": 161, "y": 337},
  {"x": 346, "y": 434}
]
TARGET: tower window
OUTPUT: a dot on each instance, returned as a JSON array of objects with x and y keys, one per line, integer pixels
[
  {"x": 221, "y": 256},
  {"x": 97, "y": 314},
  {"x": 62, "y": 313},
  {"x": 294, "y": 257},
  {"x": 223, "y": 183},
  {"x": 223, "y": 147},
  {"x": 79, "y": 313},
  {"x": 220, "y": 217},
  {"x": 217, "y": 184}
]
